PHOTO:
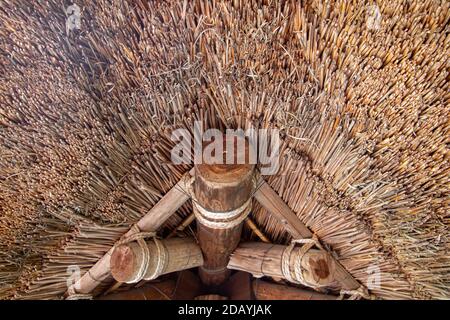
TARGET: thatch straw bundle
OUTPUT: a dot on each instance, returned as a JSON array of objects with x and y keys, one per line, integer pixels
[{"x": 86, "y": 117}]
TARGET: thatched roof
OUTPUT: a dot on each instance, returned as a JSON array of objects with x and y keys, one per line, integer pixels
[{"x": 86, "y": 118}]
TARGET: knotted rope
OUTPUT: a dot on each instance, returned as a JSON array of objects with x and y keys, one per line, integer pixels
[
  {"x": 357, "y": 294},
  {"x": 296, "y": 275},
  {"x": 139, "y": 237},
  {"x": 73, "y": 295}
]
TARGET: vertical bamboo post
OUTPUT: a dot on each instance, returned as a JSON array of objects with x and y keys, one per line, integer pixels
[
  {"x": 221, "y": 203},
  {"x": 164, "y": 257}
]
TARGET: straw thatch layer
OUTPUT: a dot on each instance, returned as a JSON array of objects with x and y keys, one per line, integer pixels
[{"x": 86, "y": 118}]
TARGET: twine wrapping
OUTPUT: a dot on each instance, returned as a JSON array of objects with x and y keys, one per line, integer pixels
[
  {"x": 79, "y": 296},
  {"x": 296, "y": 276},
  {"x": 139, "y": 237},
  {"x": 357, "y": 294},
  {"x": 162, "y": 260},
  {"x": 222, "y": 220},
  {"x": 73, "y": 295}
]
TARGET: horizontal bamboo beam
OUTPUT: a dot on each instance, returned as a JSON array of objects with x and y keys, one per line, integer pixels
[
  {"x": 264, "y": 290},
  {"x": 154, "y": 219},
  {"x": 166, "y": 256},
  {"x": 264, "y": 259},
  {"x": 273, "y": 203}
]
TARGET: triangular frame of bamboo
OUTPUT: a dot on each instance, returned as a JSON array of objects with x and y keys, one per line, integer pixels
[{"x": 177, "y": 196}]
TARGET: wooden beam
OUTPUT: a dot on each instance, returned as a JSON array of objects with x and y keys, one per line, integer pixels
[
  {"x": 273, "y": 203},
  {"x": 263, "y": 259},
  {"x": 156, "y": 217},
  {"x": 222, "y": 202},
  {"x": 269, "y": 291},
  {"x": 164, "y": 257}
]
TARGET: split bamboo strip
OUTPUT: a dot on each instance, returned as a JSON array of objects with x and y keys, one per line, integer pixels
[
  {"x": 186, "y": 222},
  {"x": 251, "y": 224}
]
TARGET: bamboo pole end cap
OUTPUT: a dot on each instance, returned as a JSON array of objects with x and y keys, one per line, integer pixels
[{"x": 124, "y": 263}]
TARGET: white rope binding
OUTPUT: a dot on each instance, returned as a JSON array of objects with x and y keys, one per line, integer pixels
[
  {"x": 143, "y": 268},
  {"x": 163, "y": 256},
  {"x": 296, "y": 275},
  {"x": 360, "y": 293},
  {"x": 73, "y": 295},
  {"x": 222, "y": 220}
]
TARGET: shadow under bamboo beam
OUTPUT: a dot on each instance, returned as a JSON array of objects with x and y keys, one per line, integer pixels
[
  {"x": 264, "y": 290},
  {"x": 273, "y": 203},
  {"x": 186, "y": 286},
  {"x": 151, "y": 291},
  {"x": 150, "y": 222}
]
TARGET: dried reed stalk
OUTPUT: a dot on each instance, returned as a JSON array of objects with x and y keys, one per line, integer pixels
[{"x": 86, "y": 119}]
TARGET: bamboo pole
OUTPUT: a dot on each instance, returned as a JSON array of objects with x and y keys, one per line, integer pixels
[
  {"x": 251, "y": 224},
  {"x": 264, "y": 290},
  {"x": 167, "y": 256},
  {"x": 186, "y": 222},
  {"x": 222, "y": 202},
  {"x": 273, "y": 203},
  {"x": 262, "y": 259},
  {"x": 170, "y": 203}
]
